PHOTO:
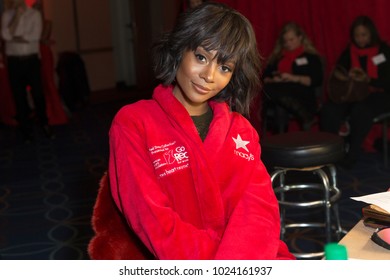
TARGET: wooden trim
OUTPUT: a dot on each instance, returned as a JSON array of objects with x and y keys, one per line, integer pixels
[{"x": 76, "y": 25}]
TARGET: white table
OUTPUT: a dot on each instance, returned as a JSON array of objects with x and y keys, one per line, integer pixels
[{"x": 360, "y": 246}]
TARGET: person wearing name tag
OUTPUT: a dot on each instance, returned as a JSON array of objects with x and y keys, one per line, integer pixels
[
  {"x": 366, "y": 53},
  {"x": 294, "y": 71}
]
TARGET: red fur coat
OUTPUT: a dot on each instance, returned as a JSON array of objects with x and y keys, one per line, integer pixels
[{"x": 113, "y": 239}]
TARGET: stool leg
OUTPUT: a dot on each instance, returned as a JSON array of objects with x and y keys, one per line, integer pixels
[
  {"x": 280, "y": 174},
  {"x": 335, "y": 198},
  {"x": 328, "y": 226},
  {"x": 327, "y": 175},
  {"x": 339, "y": 229}
]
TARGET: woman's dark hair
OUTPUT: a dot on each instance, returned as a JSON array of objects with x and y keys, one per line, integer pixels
[
  {"x": 369, "y": 24},
  {"x": 214, "y": 26}
]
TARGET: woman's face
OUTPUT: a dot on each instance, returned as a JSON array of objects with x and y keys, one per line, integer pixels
[
  {"x": 362, "y": 36},
  {"x": 291, "y": 41},
  {"x": 194, "y": 3},
  {"x": 199, "y": 78}
]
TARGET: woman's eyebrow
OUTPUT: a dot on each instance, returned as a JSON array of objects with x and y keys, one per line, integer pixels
[
  {"x": 204, "y": 49},
  {"x": 215, "y": 56},
  {"x": 208, "y": 52}
]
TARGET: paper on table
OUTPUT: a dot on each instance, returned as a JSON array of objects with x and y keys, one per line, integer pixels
[{"x": 381, "y": 199}]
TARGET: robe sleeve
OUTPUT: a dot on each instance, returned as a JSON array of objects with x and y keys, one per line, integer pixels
[
  {"x": 147, "y": 209},
  {"x": 253, "y": 229}
]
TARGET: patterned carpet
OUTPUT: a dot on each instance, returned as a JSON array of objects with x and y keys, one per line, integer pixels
[{"x": 48, "y": 188}]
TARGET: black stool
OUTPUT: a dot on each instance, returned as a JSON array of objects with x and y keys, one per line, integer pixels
[{"x": 305, "y": 151}]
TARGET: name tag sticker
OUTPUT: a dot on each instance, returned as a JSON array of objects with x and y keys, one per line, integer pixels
[
  {"x": 379, "y": 58},
  {"x": 301, "y": 61}
]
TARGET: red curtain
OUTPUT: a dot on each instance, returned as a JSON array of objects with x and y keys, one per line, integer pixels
[{"x": 326, "y": 22}]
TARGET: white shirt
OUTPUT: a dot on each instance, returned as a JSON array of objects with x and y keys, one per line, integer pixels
[{"x": 29, "y": 28}]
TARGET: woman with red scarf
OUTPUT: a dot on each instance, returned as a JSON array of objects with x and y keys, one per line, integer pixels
[
  {"x": 369, "y": 53},
  {"x": 293, "y": 73}
]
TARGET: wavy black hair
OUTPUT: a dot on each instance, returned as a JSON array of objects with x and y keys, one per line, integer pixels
[{"x": 215, "y": 27}]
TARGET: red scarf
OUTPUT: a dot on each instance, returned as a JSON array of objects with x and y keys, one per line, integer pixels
[
  {"x": 372, "y": 69},
  {"x": 288, "y": 58}
]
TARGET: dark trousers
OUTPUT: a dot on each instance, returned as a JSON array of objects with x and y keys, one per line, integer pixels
[
  {"x": 290, "y": 98},
  {"x": 25, "y": 71},
  {"x": 360, "y": 116}
]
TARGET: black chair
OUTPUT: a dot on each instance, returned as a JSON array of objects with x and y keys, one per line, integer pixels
[
  {"x": 73, "y": 83},
  {"x": 384, "y": 119}
]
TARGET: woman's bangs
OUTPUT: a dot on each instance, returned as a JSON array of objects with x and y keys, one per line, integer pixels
[
  {"x": 226, "y": 48},
  {"x": 223, "y": 36}
]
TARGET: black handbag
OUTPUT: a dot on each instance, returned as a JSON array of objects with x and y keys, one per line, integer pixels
[{"x": 343, "y": 88}]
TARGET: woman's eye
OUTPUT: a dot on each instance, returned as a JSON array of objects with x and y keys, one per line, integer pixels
[
  {"x": 226, "y": 68},
  {"x": 200, "y": 57}
]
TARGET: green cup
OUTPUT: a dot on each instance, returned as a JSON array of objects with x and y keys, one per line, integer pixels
[{"x": 334, "y": 251}]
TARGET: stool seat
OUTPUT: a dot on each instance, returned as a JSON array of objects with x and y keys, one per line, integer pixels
[{"x": 301, "y": 149}]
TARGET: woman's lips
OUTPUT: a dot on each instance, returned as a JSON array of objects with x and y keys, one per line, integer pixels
[{"x": 201, "y": 89}]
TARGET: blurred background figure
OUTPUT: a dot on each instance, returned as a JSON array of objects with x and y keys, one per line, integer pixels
[
  {"x": 294, "y": 70},
  {"x": 21, "y": 30},
  {"x": 7, "y": 107},
  {"x": 194, "y": 3},
  {"x": 189, "y": 4},
  {"x": 368, "y": 52}
]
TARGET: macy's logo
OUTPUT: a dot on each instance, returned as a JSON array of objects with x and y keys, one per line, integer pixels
[{"x": 241, "y": 144}]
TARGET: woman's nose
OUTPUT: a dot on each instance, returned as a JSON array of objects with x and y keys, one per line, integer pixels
[{"x": 208, "y": 73}]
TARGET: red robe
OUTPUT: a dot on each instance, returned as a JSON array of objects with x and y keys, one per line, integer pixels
[{"x": 188, "y": 199}]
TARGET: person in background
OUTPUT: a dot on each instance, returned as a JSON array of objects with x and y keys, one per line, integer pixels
[
  {"x": 294, "y": 70},
  {"x": 366, "y": 51},
  {"x": 190, "y": 4},
  {"x": 21, "y": 30},
  {"x": 184, "y": 167}
]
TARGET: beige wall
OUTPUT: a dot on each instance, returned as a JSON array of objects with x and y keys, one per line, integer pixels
[{"x": 84, "y": 26}]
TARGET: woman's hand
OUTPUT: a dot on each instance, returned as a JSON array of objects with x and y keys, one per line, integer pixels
[
  {"x": 274, "y": 79},
  {"x": 299, "y": 79},
  {"x": 287, "y": 77}
]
